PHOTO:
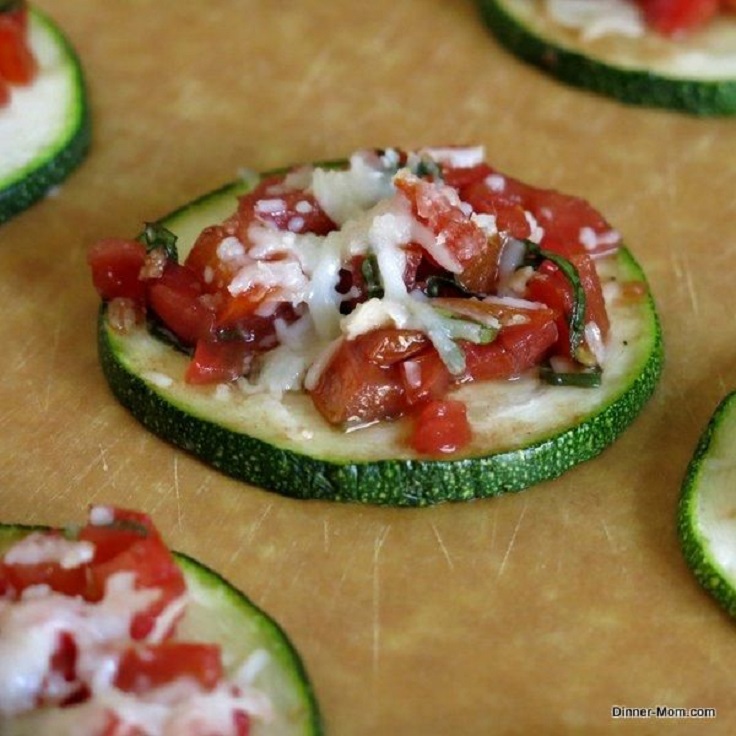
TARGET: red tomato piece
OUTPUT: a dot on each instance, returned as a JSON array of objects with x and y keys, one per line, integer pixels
[
  {"x": 217, "y": 361},
  {"x": 154, "y": 567},
  {"x": 504, "y": 206},
  {"x": 425, "y": 377},
  {"x": 17, "y": 63},
  {"x": 465, "y": 176},
  {"x": 148, "y": 666},
  {"x": 271, "y": 202},
  {"x": 116, "y": 265},
  {"x": 671, "y": 17},
  {"x": 126, "y": 528},
  {"x": 18, "y": 577},
  {"x": 434, "y": 207},
  {"x": 352, "y": 389},
  {"x": 516, "y": 348},
  {"x": 387, "y": 346},
  {"x": 131, "y": 543},
  {"x": 441, "y": 427},
  {"x": 241, "y": 723},
  {"x": 243, "y": 306},
  {"x": 175, "y": 297},
  {"x": 214, "y": 274},
  {"x": 549, "y": 286}
]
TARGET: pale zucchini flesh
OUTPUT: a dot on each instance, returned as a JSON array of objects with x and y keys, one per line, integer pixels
[
  {"x": 217, "y": 613},
  {"x": 707, "y": 509},
  {"x": 45, "y": 130},
  {"x": 523, "y": 431},
  {"x": 695, "y": 75}
]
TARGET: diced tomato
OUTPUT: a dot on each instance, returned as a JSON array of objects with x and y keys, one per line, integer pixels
[
  {"x": 271, "y": 202},
  {"x": 148, "y": 666},
  {"x": 671, "y": 17},
  {"x": 131, "y": 543},
  {"x": 241, "y": 723},
  {"x": 154, "y": 567},
  {"x": 243, "y": 306},
  {"x": 433, "y": 206},
  {"x": 440, "y": 427},
  {"x": 17, "y": 63},
  {"x": 387, "y": 346},
  {"x": 563, "y": 217},
  {"x": 116, "y": 265},
  {"x": 504, "y": 206},
  {"x": 549, "y": 286},
  {"x": 126, "y": 528},
  {"x": 517, "y": 347},
  {"x": 64, "y": 660},
  {"x": 175, "y": 297},
  {"x": 217, "y": 361},
  {"x": 352, "y": 389},
  {"x": 214, "y": 273},
  {"x": 18, "y": 577},
  {"x": 425, "y": 377},
  {"x": 461, "y": 177}
]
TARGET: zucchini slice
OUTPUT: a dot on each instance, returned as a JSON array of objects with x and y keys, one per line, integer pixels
[
  {"x": 524, "y": 431},
  {"x": 696, "y": 75},
  {"x": 706, "y": 516},
  {"x": 45, "y": 131},
  {"x": 217, "y": 612}
]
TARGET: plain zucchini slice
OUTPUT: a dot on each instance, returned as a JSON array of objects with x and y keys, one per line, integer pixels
[
  {"x": 524, "y": 431},
  {"x": 217, "y": 612},
  {"x": 695, "y": 75},
  {"x": 707, "y": 511},
  {"x": 45, "y": 131}
]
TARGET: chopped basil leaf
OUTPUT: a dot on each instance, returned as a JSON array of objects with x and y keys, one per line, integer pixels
[
  {"x": 372, "y": 277},
  {"x": 588, "y": 378},
  {"x": 157, "y": 236},
  {"x": 576, "y": 320}
]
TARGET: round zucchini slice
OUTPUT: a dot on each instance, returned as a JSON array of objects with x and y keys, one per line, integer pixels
[
  {"x": 35, "y": 156},
  {"x": 696, "y": 74},
  {"x": 217, "y": 612},
  {"x": 524, "y": 431},
  {"x": 706, "y": 515}
]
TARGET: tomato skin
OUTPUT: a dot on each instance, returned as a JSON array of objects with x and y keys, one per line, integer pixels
[
  {"x": 271, "y": 203},
  {"x": 175, "y": 298},
  {"x": 152, "y": 665},
  {"x": 672, "y": 17},
  {"x": 436, "y": 209},
  {"x": 440, "y": 427},
  {"x": 154, "y": 567},
  {"x": 18, "y": 65},
  {"x": 214, "y": 274},
  {"x": 549, "y": 286},
  {"x": 217, "y": 361},
  {"x": 116, "y": 265},
  {"x": 387, "y": 346},
  {"x": 425, "y": 377},
  {"x": 352, "y": 389},
  {"x": 517, "y": 348},
  {"x": 17, "y": 578}
]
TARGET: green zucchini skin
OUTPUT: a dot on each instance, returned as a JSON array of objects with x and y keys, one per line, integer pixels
[
  {"x": 27, "y": 186},
  {"x": 393, "y": 478},
  {"x": 706, "y": 568},
  {"x": 233, "y": 606},
  {"x": 631, "y": 86}
]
